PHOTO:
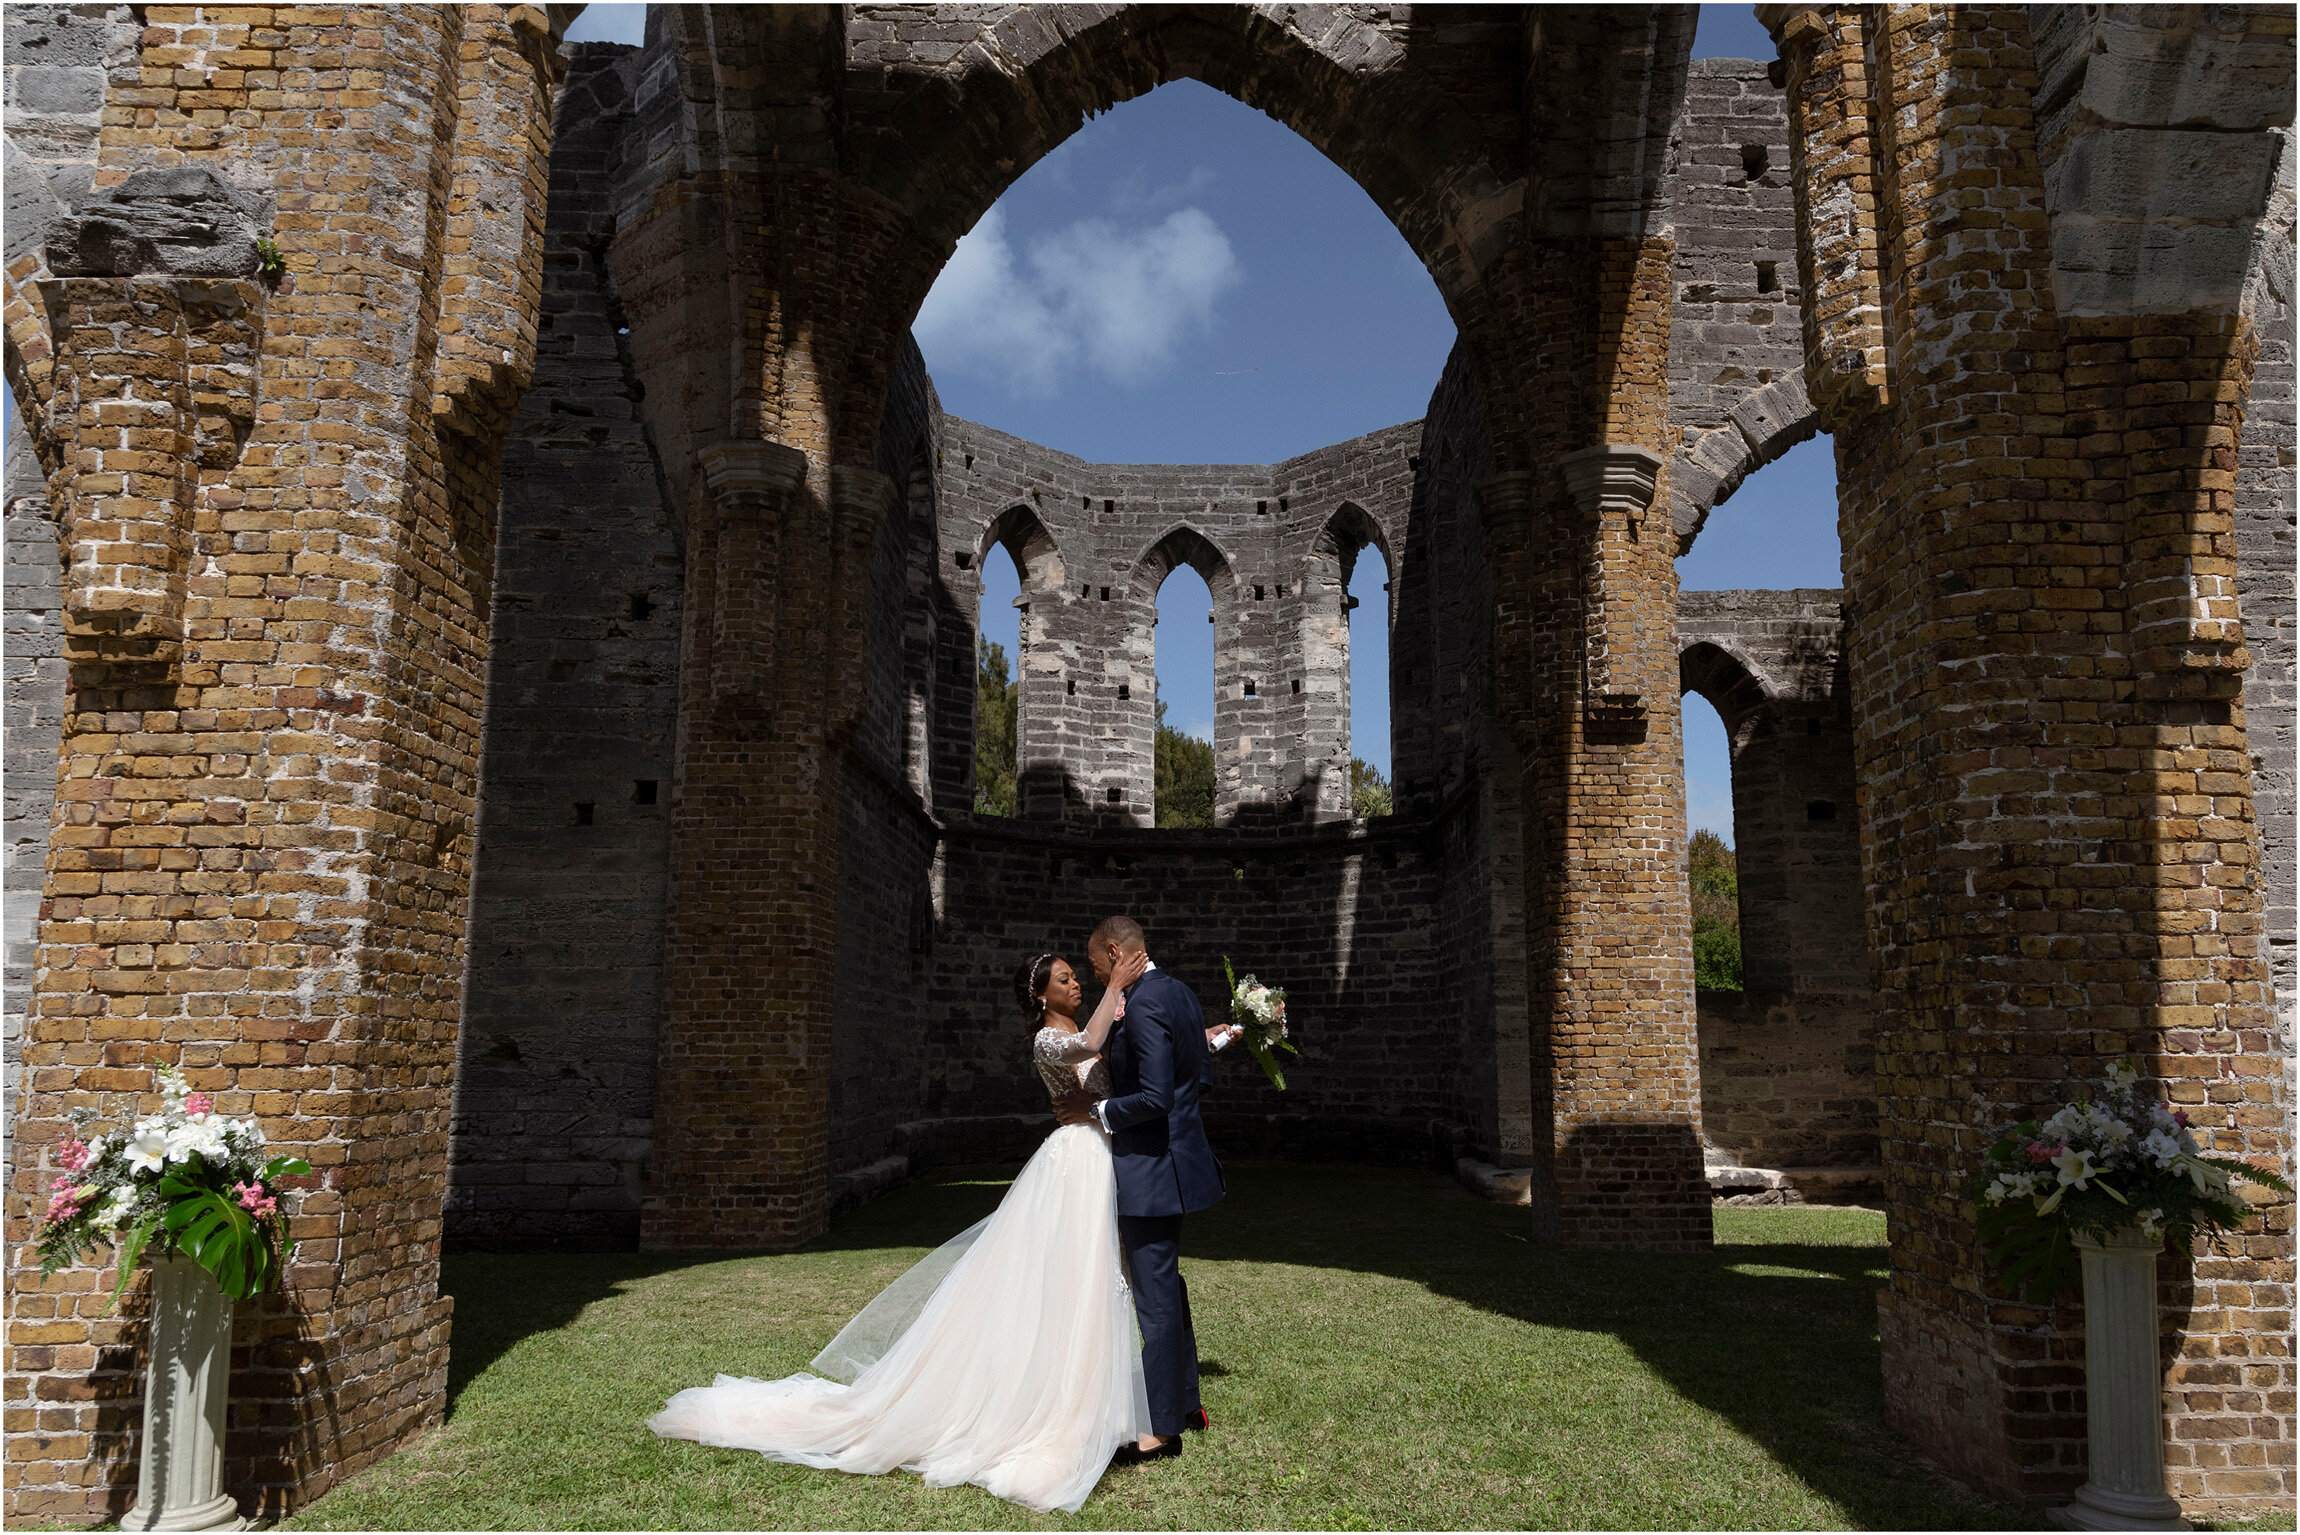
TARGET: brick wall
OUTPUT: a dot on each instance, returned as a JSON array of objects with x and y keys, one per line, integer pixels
[
  {"x": 1093, "y": 543},
  {"x": 1736, "y": 347},
  {"x": 2037, "y": 435},
  {"x": 280, "y": 534},
  {"x": 555, "y": 1073}
]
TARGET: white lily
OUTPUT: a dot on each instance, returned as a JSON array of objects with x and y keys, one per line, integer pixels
[
  {"x": 2075, "y": 1166},
  {"x": 147, "y": 1146}
]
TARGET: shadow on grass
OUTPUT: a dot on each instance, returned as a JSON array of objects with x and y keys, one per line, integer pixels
[{"x": 1779, "y": 1339}]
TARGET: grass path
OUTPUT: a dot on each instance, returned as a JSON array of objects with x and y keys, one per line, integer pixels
[{"x": 1380, "y": 1351}]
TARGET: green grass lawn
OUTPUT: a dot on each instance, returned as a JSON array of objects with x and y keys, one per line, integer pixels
[{"x": 1379, "y": 1349}]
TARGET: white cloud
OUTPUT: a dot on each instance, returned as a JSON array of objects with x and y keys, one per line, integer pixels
[
  {"x": 1095, "y": 297},
  {"x": 1201, "y": 729}
]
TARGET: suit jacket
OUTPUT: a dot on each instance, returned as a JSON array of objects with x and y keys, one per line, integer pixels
[{"x": 1159, "y": 1070}]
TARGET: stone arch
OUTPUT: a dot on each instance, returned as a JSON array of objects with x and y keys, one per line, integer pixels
[
  {"x": 1023, "y": 534},
  {"x": 1322, "y": 711},
  {"x": 1033, "y": 78},
  {"x": 1183, "y": 545},
  {"x": 1038, "y": 663},
  {"x": 1711, "y": 464},
  {"x": 1729, "y": 683},
  {"x": 1135, "y": 664}
]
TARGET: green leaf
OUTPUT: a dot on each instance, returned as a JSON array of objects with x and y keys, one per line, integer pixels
[
  {"x": 219, "y": 1236},
  {"x": 1269, "y": 1064},
  {"x": 2248, "y": 1172},
  {"x": 132, "y": 1243}
]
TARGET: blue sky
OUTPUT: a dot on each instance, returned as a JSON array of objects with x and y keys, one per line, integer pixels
[{"x": 1187, "y": 281}]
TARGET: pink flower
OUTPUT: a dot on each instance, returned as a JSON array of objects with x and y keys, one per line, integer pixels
[
  {"x": 65, "y": 1200},
  {"x": 266, "y": 1208},
  {"x": 2180, "y": 1118},
  {"x": 200, "y": 1103},
  {"x": 74, "y": 1155},
  {"x": 255, "y": 1201},
  {"x": 2038, "y": 1151}
]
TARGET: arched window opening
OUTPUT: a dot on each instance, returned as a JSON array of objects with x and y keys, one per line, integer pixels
[
  {"x": 1710, "y": 866},
  {"x": 1183, "y": 745},
  {"x": 1160, "y": 287},
  {"x": 997, "y": 685},
  {"x": 1369, "y": 684}
]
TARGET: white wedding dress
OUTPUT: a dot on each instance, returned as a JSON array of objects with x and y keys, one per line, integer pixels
[{"x": 1007, "y": 1358}]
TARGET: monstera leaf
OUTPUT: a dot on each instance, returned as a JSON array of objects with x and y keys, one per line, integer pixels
[
  {"x": 2032, "y": 1255},
  {"x": 220, "y": 1237}
]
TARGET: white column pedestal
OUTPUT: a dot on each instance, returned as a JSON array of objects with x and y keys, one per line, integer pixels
[
  {"x": 2123, "y": 1392},
  {"x": 185, "y": 1390}
]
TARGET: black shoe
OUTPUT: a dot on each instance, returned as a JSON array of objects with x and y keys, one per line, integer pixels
[
  {"x": 1197, "y": 1422},
  {"x": 1134, "y": 1454}
]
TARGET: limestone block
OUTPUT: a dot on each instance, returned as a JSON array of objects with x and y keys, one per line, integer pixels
[
  {"x": 2185, "y": 177},
  {"x": 185, "y": 222}
]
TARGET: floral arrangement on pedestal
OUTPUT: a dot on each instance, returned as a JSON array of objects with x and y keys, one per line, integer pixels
[
  {"x": 2118, "y": 1159},
  {"x": 1260, "y": 1013},
  {"x": 187, "y": 1179}
]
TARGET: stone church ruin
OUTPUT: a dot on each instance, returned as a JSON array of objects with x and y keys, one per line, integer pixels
[{"x": 493, "y": 597}]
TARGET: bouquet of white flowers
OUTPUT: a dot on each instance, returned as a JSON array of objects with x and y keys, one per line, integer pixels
[
  {"x": 2119, "y": 1159},
  {"x": 196, "y": 1182},
  {"x": 1260, "y": 1013}
]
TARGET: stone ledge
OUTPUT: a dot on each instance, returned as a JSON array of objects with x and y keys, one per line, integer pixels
[
  {"x": 864, "y": 1184},
  {"x": 1502, "y": 1185}
]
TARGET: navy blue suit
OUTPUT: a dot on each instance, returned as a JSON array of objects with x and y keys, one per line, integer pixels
[{"x": 1159, "y": 1070}]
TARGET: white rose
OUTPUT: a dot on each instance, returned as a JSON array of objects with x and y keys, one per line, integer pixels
[{"x": 2160, "y": 1148}]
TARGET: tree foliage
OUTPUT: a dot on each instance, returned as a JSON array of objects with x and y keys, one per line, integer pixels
[
  {"x": 997, "y": 702},
  {"x": 1183, "y": 771},
  {"x": 1716, "y": 886},
  {"x": 1369, "y": 790}
]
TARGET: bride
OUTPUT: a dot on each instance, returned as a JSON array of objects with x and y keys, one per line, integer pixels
[{"x": 1007, "y": 1358}]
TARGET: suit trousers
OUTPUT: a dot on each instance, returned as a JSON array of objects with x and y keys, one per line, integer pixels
[{"x": 1153, "y": 1245}]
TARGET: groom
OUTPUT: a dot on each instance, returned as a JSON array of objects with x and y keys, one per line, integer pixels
[{"x": 1159, "y": 1068}]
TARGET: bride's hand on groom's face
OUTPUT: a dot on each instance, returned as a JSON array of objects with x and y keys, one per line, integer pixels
[{"x": 1129, "y": 968}]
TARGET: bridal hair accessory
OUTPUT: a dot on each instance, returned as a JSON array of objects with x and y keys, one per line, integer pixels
[
  {"x": 1260, "y": 1013},
  {"x": 1029, "y": 980}
]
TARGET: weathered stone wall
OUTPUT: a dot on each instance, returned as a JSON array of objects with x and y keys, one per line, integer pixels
[
  {"x": 1773, "y": 666},
  {"x": 1736, "y": 346},
  {"x": 555, "y": 1074},
  {"x": 34, "y": 703},
  {"x": 1788, "y": 1084},
  {"x": 1788, "y": 1066},
  {"x": 276, "y": 494},
  {"x": 2266, "y": 554},
  {"x": 1093, "y": 543},
  {"x": 2025, "y": 341}
]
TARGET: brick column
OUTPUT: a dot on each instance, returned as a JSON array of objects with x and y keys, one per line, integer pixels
[
  {"x": 1585, "y": 673},
  {"x": 770, "y": 690},
  {"x": 2057, "y": 832},
  {"x": 741, "y": 1092},
  {"x": 260, "y": 857}
]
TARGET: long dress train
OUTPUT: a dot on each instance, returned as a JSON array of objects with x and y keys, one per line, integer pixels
[{"x": 1007, "y": 1358}]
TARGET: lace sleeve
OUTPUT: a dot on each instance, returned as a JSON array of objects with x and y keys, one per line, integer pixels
[{"x": 1060, "y": 1049}]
